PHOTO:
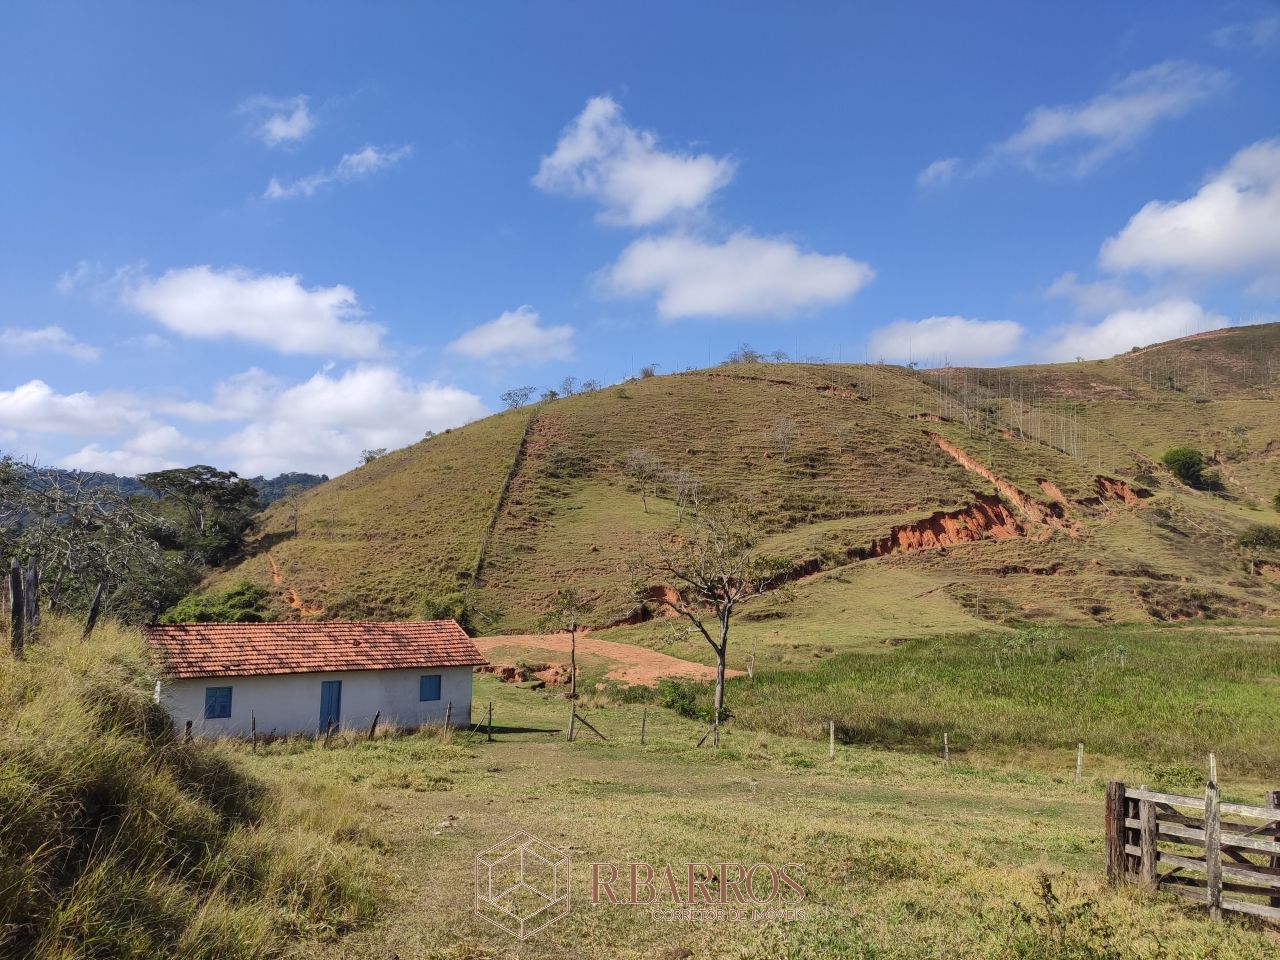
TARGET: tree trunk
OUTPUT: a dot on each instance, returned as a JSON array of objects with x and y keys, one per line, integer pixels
[
  {"x": 16, "y": 607},
  {"x": 31, "y": 597},
  {"x": 95, "y": 609},
  {"x": 722, "y": 654},
  {"x": 644, "y": 497},
  {"x": 573, "y": 664}
]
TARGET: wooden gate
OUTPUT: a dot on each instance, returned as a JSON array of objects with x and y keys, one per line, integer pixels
[{"x": 1224, "y": 855}]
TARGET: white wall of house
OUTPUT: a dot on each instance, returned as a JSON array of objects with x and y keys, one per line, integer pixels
[{"x": 290, "y": 703}]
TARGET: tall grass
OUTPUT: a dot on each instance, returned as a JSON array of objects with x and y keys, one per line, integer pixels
[
  {"x": 119, "y": 840},
  {"x": 1145, "y": 693}
]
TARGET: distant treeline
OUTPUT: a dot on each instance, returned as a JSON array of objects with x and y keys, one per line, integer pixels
[{"x": 269, "y": 491}]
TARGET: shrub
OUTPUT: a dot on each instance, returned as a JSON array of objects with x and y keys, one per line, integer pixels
[
  {"x": 1187, "y": 464},
  {"x": 1275, "y": 501},
  {"x": 244, "y": 603},
  {"x": 1261, "y": 536},
  {"x": 451, "y": 606}
]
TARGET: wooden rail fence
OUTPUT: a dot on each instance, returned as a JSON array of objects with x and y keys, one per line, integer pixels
[{"x": 1223, "y": 855}]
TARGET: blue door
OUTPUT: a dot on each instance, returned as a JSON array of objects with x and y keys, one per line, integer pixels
[{"x": 330, "y": 703}]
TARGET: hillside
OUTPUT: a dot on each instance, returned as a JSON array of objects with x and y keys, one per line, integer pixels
[{"x": 909, "y": 502}]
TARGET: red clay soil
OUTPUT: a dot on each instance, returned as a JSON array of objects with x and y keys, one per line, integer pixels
[
  {"x": 1027, "y": 505},
  {"x": 292, "y": 598},
  {"x": 987, "y": 519},
  {"x": 1110, "y": 488},
  {"x": 634, "y": 665}
]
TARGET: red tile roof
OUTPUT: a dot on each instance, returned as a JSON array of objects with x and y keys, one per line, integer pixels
[{"x": 251, "y": 649}]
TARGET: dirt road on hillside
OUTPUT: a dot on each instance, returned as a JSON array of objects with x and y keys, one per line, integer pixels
[{"x": 638, "y": 665}]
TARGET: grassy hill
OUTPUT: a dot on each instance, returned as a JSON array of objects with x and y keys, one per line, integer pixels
[{"x": 854, "y": 468}]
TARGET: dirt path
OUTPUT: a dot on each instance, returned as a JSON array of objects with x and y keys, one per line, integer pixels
[{"x": 638, "y": 665}]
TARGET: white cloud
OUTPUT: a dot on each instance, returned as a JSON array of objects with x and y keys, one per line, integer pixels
[
  {"x": 1091, "y": 297},
  {"x": 352, "y": 166},
  {"x": 34, "y": 407},
  {"x": 1257, "y": 33},
  {"x": 125, "y": 463},
  {"x": 152, "y": 448},
  {"x": 946, "y": 339},
  {"x": 1121, "y": 331},
  {"x": 1074, "y": 139},
  {"x": 271, "y": 309},
  {"x": 600, "y": 157},
  {"x": 1231, "y": 225},
  {"x": 938, "y": 172},
  {"x": 278, "y": 122},
  {"x": 46, "y": 339},
  {"x": 321, "y": 425},
  {"x": 514, "y": 337},
  {"x": 744, "y": 276}
]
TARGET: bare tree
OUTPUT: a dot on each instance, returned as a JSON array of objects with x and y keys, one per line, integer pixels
[
  {"x": 687, "y": 486},
  {"x": 517, "y": 396},
  {"x": 590, "y": 386},
  {"x": 784, "y": 435},
  {"x": 293, "y": 500},
  {"x": 845, "y": 433},
  {"x": 569, "y": 608},
  {"x": 644, "y": 467},
  {"x": 77, "y": 533},
  {"x": 712, "y": 571},
  {"x": 568, "y": 386}
]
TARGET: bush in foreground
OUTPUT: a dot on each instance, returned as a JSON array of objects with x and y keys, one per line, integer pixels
[{"x": 119, "y": 840}]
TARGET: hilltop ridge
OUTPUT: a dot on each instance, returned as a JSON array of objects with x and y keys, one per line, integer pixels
[{"x": 908, "y": 501}]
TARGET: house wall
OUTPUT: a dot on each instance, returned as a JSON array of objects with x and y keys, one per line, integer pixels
[{"x": 290, "y": 703}]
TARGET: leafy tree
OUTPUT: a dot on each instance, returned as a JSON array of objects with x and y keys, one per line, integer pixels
[
  {"x": 1187, "y": 464},
  {"x": 644, "y": 467},
  {"x": 244, "y": 603},
  {"x": 209, "y": 510},
  {"x": 368, "y": 456},
  {"x": 517, "y": 397},
  {"x": 548, "y": 396},
  {"x": 712, "y": 570}
]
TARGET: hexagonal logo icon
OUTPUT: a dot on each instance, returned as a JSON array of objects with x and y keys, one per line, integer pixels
[{"x": 522, "y": 884}]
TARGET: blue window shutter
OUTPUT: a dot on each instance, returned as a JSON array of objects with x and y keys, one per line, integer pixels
[
  {"x": 217, "y": 703},
  {"x": 429, "y": 687}
]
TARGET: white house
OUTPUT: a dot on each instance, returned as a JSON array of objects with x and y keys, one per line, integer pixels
[{"x": 288, "y": 677}]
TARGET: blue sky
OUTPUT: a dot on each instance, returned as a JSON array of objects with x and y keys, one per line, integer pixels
[{"x": 266, "y": 236}]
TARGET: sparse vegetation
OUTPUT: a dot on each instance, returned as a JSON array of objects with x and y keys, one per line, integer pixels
[{"x": 1261, "y": 536}]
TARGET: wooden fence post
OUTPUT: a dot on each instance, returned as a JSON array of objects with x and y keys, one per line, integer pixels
[
  {"x": 328, "y": 732},
  {"x": 1213, "y": 841},
  {"x": 1079, "y": 761},
  {"x": 253, "y": 730},
  {"x": 946, "y": 751},
  {"x": 644, "y": 723},
  {"x": 1273, "y": 801},
  {"x": 448, "y": 713},
  {"x": 17, "y": 608},
  {"x": 489, "y": 728},
  {"x": 373, "y": 727},
  {"x": 186, "y": 736},
  {"x": 1113, "y": 828},
  {"x": 1148, "y": 836},
  {"x": 831, "y": 748}
]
